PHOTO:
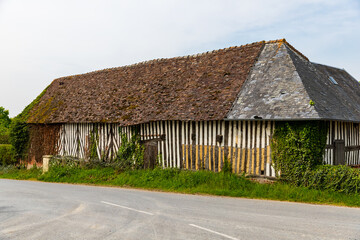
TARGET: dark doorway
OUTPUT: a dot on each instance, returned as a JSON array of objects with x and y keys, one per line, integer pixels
[{"x": 339, "y": 152}]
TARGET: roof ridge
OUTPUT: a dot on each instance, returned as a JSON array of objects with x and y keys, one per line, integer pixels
[
  {"x": 165, "y": 59},
  {"x": 283, "y": 40},
  {"x": 343, "y": 69}
]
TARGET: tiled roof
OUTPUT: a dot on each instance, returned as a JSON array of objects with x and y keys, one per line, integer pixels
[{"x": 198, "y": 87}]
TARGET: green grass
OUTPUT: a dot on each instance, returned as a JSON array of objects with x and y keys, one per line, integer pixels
[
  {"x": 182, "y": 181},
  {"x": 12, "y": 172}
]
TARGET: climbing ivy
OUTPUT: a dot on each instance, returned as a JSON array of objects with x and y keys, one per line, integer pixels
[
  {"x": 298, "y": 147},
  {"x": 131, "y": 153},
  {"x": 94, "y": 138}
]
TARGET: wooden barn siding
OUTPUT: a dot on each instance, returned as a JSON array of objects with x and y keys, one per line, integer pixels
[
  {"x": 195, "y": 145},
  {"x": 244, "y": 143},
  {"x": 190, "y": 145},
  {"x": 350, "y": 133}
]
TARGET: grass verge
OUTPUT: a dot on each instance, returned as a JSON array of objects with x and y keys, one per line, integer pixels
[{"x": 182, "y": 181}]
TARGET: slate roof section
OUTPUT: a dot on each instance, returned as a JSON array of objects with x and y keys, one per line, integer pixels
[
  {"x": 336, "y": 102},
  {"x": 274, "y": 89},
  {"x": 199, "y": 87},
  {"x": 283, "y": 82}
]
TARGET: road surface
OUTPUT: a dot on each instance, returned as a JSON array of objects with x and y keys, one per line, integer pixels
[{"x": 38, "y": 210}]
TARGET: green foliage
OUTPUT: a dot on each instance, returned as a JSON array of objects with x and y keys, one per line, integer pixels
[
  {"x": 227, "y": 167},
  {"x": 333, "y": 178},
  {"x": 298, "y": 147},
  {"x": 131, "y": 153},
  {"x": 19, "y": 137},
  {"x": 5, "y": 137},
  {"x": 6, "y": 155},
  {"x": 94, "y": 138},
  {"x": 4, "y": 126},
  {"x": 19, "y": 172},
  {"x": 203, "y": 182},
  {"x": 4, "y": 117},
  {"x": 297, "y": 151}
]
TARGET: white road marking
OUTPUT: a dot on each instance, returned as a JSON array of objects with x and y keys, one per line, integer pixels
[
  {"x": 128, "y": 208},
  {"x": 209, "y": 230}
]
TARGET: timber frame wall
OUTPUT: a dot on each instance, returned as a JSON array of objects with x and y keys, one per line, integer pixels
[
  {"x": 203, "y": 144},
  {"x": 350, "y": 133},
  {"x": 190, "y": 145}
]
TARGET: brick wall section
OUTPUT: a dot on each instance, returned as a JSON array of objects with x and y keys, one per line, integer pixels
[{"x": 199, "y": 87}]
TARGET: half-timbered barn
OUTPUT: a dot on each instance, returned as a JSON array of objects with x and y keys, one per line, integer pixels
[{"x": 201, "y": 109}]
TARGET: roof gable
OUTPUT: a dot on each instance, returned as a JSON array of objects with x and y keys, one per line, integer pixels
[{"x": 274, "y": 89}]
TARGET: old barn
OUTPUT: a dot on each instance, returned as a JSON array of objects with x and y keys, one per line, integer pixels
[{"x": 198, "y": 110}]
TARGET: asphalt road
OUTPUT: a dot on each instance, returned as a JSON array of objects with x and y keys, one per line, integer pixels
[{"x": 37, "y": 210}]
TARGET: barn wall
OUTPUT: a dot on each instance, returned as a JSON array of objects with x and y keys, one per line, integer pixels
[
  {"x": 203, "y": 144},
  {"x": 190, "y": 145},
  {"x": 43, "y": 141},
  {"x": 350, "y": 133}
]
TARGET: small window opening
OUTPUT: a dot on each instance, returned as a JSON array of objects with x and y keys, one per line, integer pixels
[{"x": 332, "y": 80}]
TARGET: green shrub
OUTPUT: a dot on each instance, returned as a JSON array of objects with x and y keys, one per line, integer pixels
[
  {"x": 227, "y": 167},
  {"x": 19, "y": 137},
  {"x": 131, "y": 153},
  {"x": 6, "y": 155},
  {"x": 298, "y": 147},
  {"x": 333, "y": 178}
]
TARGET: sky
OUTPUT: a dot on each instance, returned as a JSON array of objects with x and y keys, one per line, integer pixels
[{"x": 41, "y": 40}]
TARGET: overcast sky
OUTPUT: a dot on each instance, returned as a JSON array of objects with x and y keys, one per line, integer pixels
[{"x": 42, "y": 40}]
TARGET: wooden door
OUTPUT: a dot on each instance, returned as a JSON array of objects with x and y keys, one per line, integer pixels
[{"x": 150, "y": 154}]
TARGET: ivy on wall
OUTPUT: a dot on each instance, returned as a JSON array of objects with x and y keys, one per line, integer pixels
[
  {"x": 94, "y": 139},
  {"x": 298, "y": 147},
  {"x": 131, "y": 152}
]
